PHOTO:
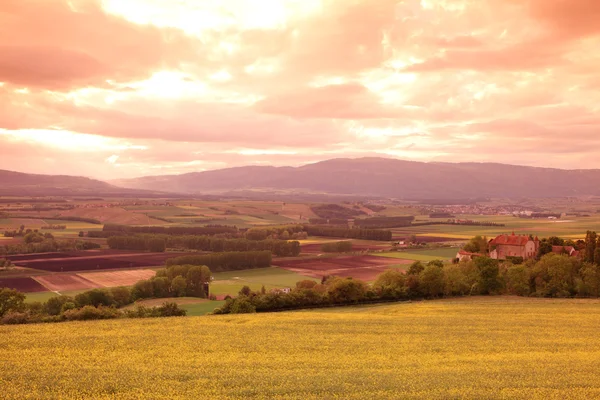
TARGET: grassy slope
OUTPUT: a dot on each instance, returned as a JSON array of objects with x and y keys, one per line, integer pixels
[{"x": 494, "y": 348}]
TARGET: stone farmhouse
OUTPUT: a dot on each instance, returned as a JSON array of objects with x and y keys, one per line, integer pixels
[
  {"x": 504, "y": 246},
  {"x": 569, "y": 250}
]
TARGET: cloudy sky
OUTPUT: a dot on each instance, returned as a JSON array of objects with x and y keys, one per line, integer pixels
[{"x": 124, "y": 88}]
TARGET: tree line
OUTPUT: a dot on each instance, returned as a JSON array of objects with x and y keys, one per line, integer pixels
[
  {"x": 159, "y": 243},
  {"x": 90, "y": 305},
  {"x": 47, "y": 246},
  {"x": 355, "y": 233},
  {"x": 554, "y": 275},
  {"x": 172, "y": 230},
  {"x": 227, "y": 261},
  {"x": 331, "y": 211},
  {"x": 285, "y": 232},
  {"x": 337, "y": 247}
]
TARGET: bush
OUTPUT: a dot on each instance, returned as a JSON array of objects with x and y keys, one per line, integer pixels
[
  {"x": 171, "y": 309},
  {"x": 91, "y": 313},
  {"x": 54, "y": 305},
  {"x": 14, "y": 318},
  {"x": 242, "y": 305}
]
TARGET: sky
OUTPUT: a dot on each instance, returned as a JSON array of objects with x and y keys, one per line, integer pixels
[{"x": 124, "y": 88}]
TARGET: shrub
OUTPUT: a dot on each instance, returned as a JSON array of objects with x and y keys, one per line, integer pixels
[
  {"x": 90, "y": 313},
  {"x": 14, "y": 318}
]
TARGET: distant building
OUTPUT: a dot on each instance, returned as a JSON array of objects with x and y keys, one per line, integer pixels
[
  {"x": 504, "y": 246},
  {"x": 467, "y": 256},
  {"x": 283, "y": 290},
  {"x": 568, "y": 250}
]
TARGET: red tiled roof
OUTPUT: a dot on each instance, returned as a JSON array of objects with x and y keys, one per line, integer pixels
[
  {"x": 466, "y": 253},
  {"x": 513, "y": 240},
  {"x": 562, "y": 249}
]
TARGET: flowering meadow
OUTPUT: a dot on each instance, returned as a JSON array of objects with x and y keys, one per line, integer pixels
[{"x": 492, "y": 348}]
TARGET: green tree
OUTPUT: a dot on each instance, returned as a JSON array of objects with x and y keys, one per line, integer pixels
[
  {"x": 415, "y": 268},
  {"x": 455, "y": 281},
  {"x": 11, "y": 300},
  {"x": 143, "y": 289},
  {"x": 589, "y": 283},
  {"x": 346, "y": 290},
  {"x": 390, "y": 284},
  {"x": 160, "y": 287},
  {"x": 436, "y": 263},
  {"x": 545, "y": 248},
  {"x": 121, "y": 296},
  {"x": 54, "y": 304},
  {"x": 179, "y": 286},
  {"x": 477, "y": 244},
  {"x": 431, "y": 281},
  {"x": 242, "y": 305},
  {"x": 554, "y": 275},
  {"x": 157, "y": 245},
  {"x": 196, "y": 278},
  {"x": 517, "y": 280},
  {"x": 488, "y": 282},
  {"x": 590, "y": 246},
  {"x": 245, "y": 291}
]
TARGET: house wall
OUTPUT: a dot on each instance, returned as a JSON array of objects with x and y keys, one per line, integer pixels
[{"x": 504, "y": 250}]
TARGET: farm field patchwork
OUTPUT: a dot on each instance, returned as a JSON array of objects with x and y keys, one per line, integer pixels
[
  {"x": 61, "y": 282},
  {"x": 98, "y": 262},
  {"x": 492, "y": 348},
  {"x": 118, "y": 278},
  {"x": 571, "y": 227},
  {"x": 361, "y": 267},
  {"x": 22, "y": 284}
]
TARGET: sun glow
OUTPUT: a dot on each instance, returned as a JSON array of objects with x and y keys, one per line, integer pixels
[
  {"x": 195, "y": 17},
  {"x": 66, "y": 140}
]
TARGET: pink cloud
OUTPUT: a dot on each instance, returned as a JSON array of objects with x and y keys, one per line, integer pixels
[
  {"x": 63, "y": 45},
  {"x": 439, "y": 82}
]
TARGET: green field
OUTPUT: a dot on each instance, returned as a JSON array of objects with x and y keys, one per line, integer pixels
[
  {"x": 195, "y": 310},
  {"x": 422, "y": 255},
  {"x": 569, "y": 227},
  {"x": 231, "y": 282},
  {"x": 475, "y": 348}
]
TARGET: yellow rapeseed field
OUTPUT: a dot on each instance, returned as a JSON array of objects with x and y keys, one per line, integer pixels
[{"x": 478, "y": 348}]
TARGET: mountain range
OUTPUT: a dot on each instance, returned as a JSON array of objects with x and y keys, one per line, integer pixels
[{"x": 365, "y": 177}]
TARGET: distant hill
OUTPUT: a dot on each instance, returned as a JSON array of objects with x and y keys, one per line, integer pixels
[
  {"x": 382, "y": 177},
  {"x": 21, "y": 184}
]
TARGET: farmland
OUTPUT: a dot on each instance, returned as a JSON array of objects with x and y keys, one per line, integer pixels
[
  {"x": 516, "y": 348},
  {"x": 85, "y": 261},
  {"x": 361, "y": 267},
  {"x": 422, "y": 255}
]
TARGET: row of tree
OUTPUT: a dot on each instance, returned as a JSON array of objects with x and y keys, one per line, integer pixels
[
  {"x": 337, "y": 247},
  {"x": 158, "y": 243},
  {"x": 356, "y": 233},
  {"x": 93, "y": 304},
  {"x": 173, "y": 230},
  {"x": 554, "y": 275},
  {"x": 335, "y": 211},
  {"x": 285, "y": 232},
  {"x": 47, "y": 246},
  {"x": 227, "y": 261}
]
